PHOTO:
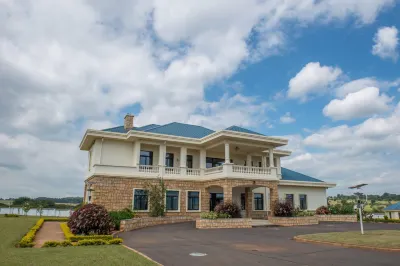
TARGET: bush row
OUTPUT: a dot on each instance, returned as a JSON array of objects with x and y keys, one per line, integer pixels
[
  {"x": 382, "y": 220},
  {"x": 51, "y": 244},
  {"x": 27, "y": 240},
  {"x": 214, "y": 215},
  {"x": 11, "y": 215},
  {"x": 74, "y": 238},
  {"x": 347, "y": 208},
  {"x": 97, "y": 242},
  {"x": 118, "y": 216}
]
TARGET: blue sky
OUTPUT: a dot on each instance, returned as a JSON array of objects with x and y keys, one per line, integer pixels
[{"x": 325, "y": 74}]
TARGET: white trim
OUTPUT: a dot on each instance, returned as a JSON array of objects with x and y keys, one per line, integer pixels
[
  {"x": 133, "y": 201},
  {"x": 179, "y": 200},
  {"x": 305, "y": 184},
  {"x": 187, "y": 200}
]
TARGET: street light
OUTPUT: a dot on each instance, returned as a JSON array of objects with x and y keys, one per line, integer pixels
[{"x": 359, "y": 205}]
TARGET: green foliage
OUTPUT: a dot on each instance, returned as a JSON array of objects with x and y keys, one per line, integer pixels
[
  {"x": 26, "y": 207},
  {"x": 20, "y": 201},
  {"x": 214, "y": 215},
  {"x": 67, "y": 233},
  {"x": 74, "y": 238},
  {"x": 27, "y": 240},
  {"x": 229, "y": 208},
  {"x": 302, "y": 213},
  {"x": 118, "y": 216},
  {"x": 115, "y": 241},
  {"x": 386, "y": 217},
  {"x": 383, "y": 220},
  {"x": 156, "y": 194},
  {"x": 92, "y": 242},
  {"x": 322, "y": 210},
  {"x": 50, "y": 244},
  {"x": 90, "y": 219},
  {"x": 347, "y": 208},
  {"x": 11, "y": 215}
]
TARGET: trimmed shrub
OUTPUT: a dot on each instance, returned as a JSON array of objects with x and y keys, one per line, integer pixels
[
  {"x": 283, "y": 209},
  {"x": 50, "y": 244},
  {"x": 323, "y": 210},
  {"x": 90, "y": 237},
  {"x": 67, "y": 233},
  {"x": 11, "y": 215},
  {"x": 92, "y": 242},
  {"x": 90, "y": 219},
  {"x": 230, "y": 208},
  {"x": 302, "y": 213},
  {"x": 382, "y": 221},
  {"x": 214, "y": 215},
  {"x": 115, "y": 241},
  {"x": 118, "y": 216},
  {"x": 27, "y": 240}
]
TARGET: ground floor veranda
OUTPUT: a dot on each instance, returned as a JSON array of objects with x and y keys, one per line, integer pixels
[{"x": 255, "y": 197}]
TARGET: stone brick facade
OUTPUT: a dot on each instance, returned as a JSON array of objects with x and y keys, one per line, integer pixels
[
  {"x": 337, "y": 218},
  {"x": 116, "y": 193},
  {"x": 137, "y": 223},
  {"x": 223, "y": 223},
  {"x": 293, "y": 221}
]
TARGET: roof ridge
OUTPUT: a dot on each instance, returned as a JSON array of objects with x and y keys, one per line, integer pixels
[{"x": 112, "y": 127}]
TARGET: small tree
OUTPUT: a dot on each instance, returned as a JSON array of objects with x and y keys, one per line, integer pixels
[
  {"x": 39, "y": 209},
  {"x": 26, "y": 207},
  {"x": 156, "y": 194}
]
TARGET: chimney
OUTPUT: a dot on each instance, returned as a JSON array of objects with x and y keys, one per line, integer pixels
[{"x": 128, "y": 121}]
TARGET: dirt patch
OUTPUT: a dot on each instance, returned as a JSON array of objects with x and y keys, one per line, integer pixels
[
  {"x": 260, "y": 248},
  {"x": 50, "y": 231}
]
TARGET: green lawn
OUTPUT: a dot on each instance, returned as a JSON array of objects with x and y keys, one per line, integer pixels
[
  {"x": 376, "y": 238},
  {"x": 12, "y": 230}
]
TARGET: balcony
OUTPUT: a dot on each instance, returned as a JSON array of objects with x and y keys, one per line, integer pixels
[{"x": 222, "y": 171}]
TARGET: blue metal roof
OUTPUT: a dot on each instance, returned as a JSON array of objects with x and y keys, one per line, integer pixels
[
  {"x": 393, "y": 207},
  {"x": 179, "y": 129},
  {"x": 290, "y": 175},
  {"x": 243, "y": 130}
]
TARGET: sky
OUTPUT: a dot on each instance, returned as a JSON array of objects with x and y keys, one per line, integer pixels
[{"x": 323, "y": 73}]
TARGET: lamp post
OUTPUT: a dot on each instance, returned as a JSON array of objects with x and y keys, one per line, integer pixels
[{"x": 359, "y": 206}]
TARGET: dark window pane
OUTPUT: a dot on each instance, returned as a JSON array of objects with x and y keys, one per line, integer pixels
[
  {"x": 193, "y": 200},
  {"x": 146, "y": 158},
  {"x": 189, "y": 161},
  {"x": 289, "y": 198},
  {"x": 303, "y": 201},
  {"x": 140, "y": 199},
  {"x": 169, "y": 160},
  {"x": 172, "y": 201},
  {"x": 213, "y": 162},
  {"x": 243, "y": 201},
  {"x": 258, "y": 201}
]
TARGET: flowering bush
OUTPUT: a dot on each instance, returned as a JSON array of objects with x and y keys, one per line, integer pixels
[
  {"x": 90, "y": 219},
  {"x": 283, "y": 209},
  {"x": 214, "y": 215},
  {"x": 230, "y": 208},
  {"x": 322, "y": 210}
]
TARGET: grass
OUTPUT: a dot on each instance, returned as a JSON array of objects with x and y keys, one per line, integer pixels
[
  {"x": 376, "y": 238},
  {"x": 13, "y": 229}
]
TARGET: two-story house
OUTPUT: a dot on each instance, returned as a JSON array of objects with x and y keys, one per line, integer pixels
[{"x": 200, "y": 168}]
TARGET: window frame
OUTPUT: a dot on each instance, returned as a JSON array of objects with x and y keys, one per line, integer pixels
[
  {"x": 293, "y": 203},
  {"x": 133, "y": 201},
  {"x": 150, "y": 156},
  {"x": 179, "y": 200},
  {"x": 263, "y": 201},
  {"x": 215, "y": 162},
  {"x": 189, "y": 160},
  {"x": 306, "y": 198},
  {"x": 187, "y": 201},
  {"x": 169, "y": 157}
]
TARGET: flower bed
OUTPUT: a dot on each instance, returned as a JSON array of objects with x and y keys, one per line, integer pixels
[
  {"x": 337, "y": 218},
  {"x": 137, "y": 223},
  {"x": 223, "y": 223},
  {"x": 382, "y": 221},
  {"x": 293, "y": 221}
]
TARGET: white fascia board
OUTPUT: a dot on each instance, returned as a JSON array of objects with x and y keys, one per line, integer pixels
[{"x": 306, "y": 184}]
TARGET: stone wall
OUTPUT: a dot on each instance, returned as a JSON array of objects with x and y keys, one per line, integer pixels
[
  {"x": 137, "y": 223},
  {"x": 223, "y": 223},
  {"x": 337, "y": 218},
  {"x": 293, "y": 221}
]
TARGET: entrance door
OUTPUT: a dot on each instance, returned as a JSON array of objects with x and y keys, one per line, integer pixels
[
  {"x": 215, "y": 199},
  {"x": 242, "y": 204}
]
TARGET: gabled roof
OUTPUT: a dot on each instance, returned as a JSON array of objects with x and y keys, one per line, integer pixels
[
  {"x": 290, "y": 175},
  {"x": 179, "y": 129},
  {"x": 393, "y": 207}
]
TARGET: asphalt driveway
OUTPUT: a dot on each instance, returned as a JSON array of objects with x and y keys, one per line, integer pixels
[{"x": 172, "y": 245}]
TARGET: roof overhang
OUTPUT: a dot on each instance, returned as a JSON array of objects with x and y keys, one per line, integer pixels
[{"x": 306, "y": 184}]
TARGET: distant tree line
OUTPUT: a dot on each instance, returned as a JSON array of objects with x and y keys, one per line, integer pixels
[
  {"x": 46, "y": 202},
  {"x": 385, "y": 196}
]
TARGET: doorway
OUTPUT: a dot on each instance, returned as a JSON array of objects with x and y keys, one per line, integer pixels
[{"x": 215, "y": 199}]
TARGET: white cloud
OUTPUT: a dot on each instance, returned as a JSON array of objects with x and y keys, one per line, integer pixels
[
  {"x": 386, "y": 43},
  {"x": 287, "y": 119},
  {"x": 363, "y": 103},
  {"x": 356, "y": 85},
  {"x": 312, "y": 79},
  {"x": 67, "y": 65}
]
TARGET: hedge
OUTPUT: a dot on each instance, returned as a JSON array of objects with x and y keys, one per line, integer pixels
[
  {"x": 11, "y": 215},
  {"x": 382, "y": 220},
  {"x": 74, "y": 238},
  {"x": 98, "y": 242},
  {"x": 50, "y": 244},
  {"x": 55, "y": 219},
  {"x": 27, "y": 240}
]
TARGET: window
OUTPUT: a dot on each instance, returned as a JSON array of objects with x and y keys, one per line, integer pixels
[
  {"x": 140, "y": 200},
  {"x": 258, "y": 201},
  {"x": 289, "y": 198},
  {"x": 172, "y": 202},
  {"x": 169, "y": 160},
  {"x": 189, "y": 161},
  {"x": 243, "y": 201},
  {"x": 193, "y": 201},
  {"x": 146, "y": 158},
  {"x": 213, "y": 162},
  {"x": 303, "y": 201}
]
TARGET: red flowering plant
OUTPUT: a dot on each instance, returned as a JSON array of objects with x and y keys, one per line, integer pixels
[{"x": 90, "y": 219}]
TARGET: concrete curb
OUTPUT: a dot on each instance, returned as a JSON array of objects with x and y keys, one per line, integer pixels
[
  {"x": 141, "y": 254},
  {"x": 299, "y": 239}
]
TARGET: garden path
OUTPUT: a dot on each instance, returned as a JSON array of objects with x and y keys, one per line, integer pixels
[{"x": 50, "y": 231}]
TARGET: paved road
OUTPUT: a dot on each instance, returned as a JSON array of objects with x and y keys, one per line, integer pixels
[{"x": 172, "y": 244}]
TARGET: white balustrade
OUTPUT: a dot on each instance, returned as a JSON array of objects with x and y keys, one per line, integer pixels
[
  {"x": 214, "y": 170},
  {"x": 172, "y": 170},
  {"x": 149, "y": 169},
  {"x": 191, "y": 171},
  {"x": 251, "y": 170}
]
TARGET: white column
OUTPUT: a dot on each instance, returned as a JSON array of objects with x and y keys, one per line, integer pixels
[
  {"x": 203, "y": 165},
  {"x": 162, "y": 154},
  {"x": 278, "y": 165},
  {"x": 183, "y": 156},
  {"x": 227, "y": 159},
  {"x": 136, "y": 154},
  {"x": 264, "y": 161},
  {"x": 271, "y": 157},
  {"x": 248, "y": 160}
]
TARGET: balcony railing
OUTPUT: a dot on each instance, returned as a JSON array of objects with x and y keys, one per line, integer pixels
[
  {"x": 251, "y": 170},
  {"x": 149, "y": 169},
  {"x": 214, "y": 170},
  {"x": 191, "y": 171},
  {"x": 172, "y": 170}
]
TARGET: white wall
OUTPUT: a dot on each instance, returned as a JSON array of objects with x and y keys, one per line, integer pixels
[
  {"x": 117, "y": 153},
  {"x": 393, "y": 215},
  {"x": 316, "y": 196}
]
